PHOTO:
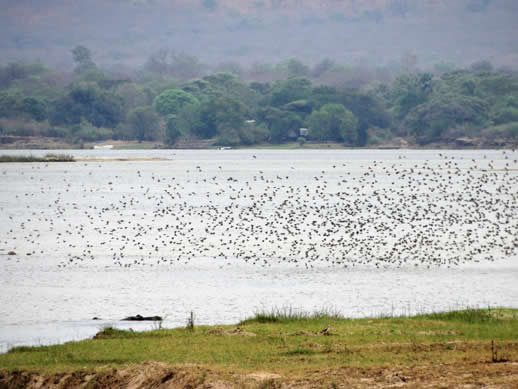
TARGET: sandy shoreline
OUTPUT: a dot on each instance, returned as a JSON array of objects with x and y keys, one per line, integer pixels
[{"x": 119, "y": 159}]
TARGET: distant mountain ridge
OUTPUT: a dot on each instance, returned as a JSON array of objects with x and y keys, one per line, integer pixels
[
  {"x": 379, "y": 32},
  {"x": 350, "y": 6}
]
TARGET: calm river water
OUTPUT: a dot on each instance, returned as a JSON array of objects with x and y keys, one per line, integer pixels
[{"x": 227, "y": 233}]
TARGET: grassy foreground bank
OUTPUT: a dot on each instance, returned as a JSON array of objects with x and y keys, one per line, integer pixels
[{"x": 286, "y": 349}]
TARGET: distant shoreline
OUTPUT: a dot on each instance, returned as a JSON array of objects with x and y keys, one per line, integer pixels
[{"x": 41, "y": 143}]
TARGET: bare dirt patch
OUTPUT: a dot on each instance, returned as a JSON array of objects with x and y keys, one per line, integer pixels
[
  {"x": 262, "y": 376},
  {"x": 163, "y": 375},
  {"x": 229, "y": 332},
  {"x": 145, "y": 375}
]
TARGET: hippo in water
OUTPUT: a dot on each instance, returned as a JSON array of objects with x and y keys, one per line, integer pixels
[{"x": 142, "y": 318}]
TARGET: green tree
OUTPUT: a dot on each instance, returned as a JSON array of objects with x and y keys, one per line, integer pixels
[
  {"x": 186, "y": 122},
  {"x": 105, "y": 111},
  {"x": 143, "y": 123},
  {"x": 323, "y": 94},
  {"x": 83, "y": 59},
  {"x": 280, "y": 123},
  {"x": 411, "y": 90},
  {"x": 222, "y": 85},
  {"x": 133, "y": 95},
  {"x": 101, "y": 108},
  {"x": 171, "y": 101},
  {"x": 10, "y": 103},
  {"x": 35, "y": 107},
  {"x": 457, "y": 82},
  {"x": 88, "y": 133},
  {"x": 300, "y": 107},
  {"x": 490, "y": 85},
  {"x": 292, "y": 89},
  {"x": 262, "y": 88},
  {"x": 65, "y": 111},
  {"x": 172, "y": 129},
  {"x": 198, "y": 88},
  {"x": 248, "y": 134},
  {"x": 506, "y": 115},
  {"x": 368, "y": 110},
  {"x": 87, "y": 101},
  {"x": 18, "y": 71},
  {"x": 253, "y": 133},
  {"x": 221, "y": 114},
  {"x": 430, "y": 120},
  {"x": 333, "y": 122}
]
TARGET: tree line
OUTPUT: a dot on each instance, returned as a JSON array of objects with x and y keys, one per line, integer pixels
[{"x": 169, "y": 101}]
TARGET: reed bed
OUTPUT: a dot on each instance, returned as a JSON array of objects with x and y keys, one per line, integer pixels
[{"x": 30, "y": 158}]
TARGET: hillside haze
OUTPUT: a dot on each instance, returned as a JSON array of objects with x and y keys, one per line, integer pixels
[{"x": 369, "y": 32}]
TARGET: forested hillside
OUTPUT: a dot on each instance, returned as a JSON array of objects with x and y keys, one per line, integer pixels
[{"x": 175, "y": 97}]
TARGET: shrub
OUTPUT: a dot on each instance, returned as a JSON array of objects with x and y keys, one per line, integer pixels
[
  {"x": 143, "y": 124},
  {"x": 89, "y": 133},
  {"x": 171, "y": 101},
  {"x": 22, "y": 127},
  {"x": 55, "y": 132},
  {"x": 506, "y": 115},
  {"x": 512, "y": 131},
  {"x": 333, "y": 122},
  {"x": 172, "y": 130},
  {"x": 253, "y": 133}
]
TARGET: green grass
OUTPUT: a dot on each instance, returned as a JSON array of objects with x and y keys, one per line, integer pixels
[
  {"x": 30, "y": 158},
  {"x": 471, "y": 315},
  {"x": 288, "y": 314},
  {"x": 283, "y": 340}
]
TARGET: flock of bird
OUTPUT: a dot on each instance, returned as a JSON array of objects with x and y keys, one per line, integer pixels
[{"x": 439, "y": 212}]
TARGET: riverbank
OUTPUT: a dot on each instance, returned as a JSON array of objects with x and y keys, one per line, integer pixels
[
  {"x": 44, "y": 143},
  {"x": 70, "y": 158},
  {"x": 285, "y": 349}
]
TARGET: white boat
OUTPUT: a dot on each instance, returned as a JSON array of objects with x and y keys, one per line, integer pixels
[{"x": 104, "y": 147}]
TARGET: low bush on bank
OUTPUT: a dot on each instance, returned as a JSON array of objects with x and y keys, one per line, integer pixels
[
  {"x": 23, "y": 127},
  {"x": 289, "y": 314}
]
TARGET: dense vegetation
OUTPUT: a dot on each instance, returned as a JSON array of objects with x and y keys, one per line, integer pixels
[{"x": 172, "y": 98}]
